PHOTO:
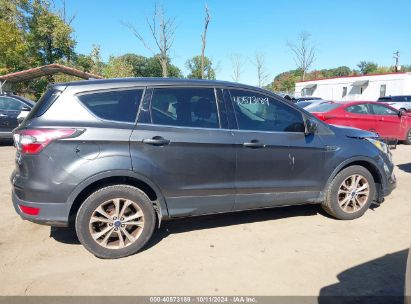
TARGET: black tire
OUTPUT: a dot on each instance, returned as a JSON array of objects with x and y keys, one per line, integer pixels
[
  {"x": 88, "y": 208},
  {"x": 331, "y": 204},
  {"x": 407, "y": 140}
]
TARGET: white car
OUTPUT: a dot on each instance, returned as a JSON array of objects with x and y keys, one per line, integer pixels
[{"x": 399, "y": 102}]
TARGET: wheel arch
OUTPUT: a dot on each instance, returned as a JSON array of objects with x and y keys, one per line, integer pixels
[
  {"x": 124, "y": 177},
  {"x": 368, "y": 164}
]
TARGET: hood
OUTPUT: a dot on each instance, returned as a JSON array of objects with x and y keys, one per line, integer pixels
[{"x": 353, "y": 132}]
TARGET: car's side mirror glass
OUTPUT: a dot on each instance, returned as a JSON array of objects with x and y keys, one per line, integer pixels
[{"x": 310, "y": 127}]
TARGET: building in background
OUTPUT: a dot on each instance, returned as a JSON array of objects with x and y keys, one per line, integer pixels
[{"x": 367, "y": 87}]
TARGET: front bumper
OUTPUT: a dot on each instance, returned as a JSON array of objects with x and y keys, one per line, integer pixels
[{"x": 52, "y": 214}]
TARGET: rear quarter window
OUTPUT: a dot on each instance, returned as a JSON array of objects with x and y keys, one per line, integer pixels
[
  {"x": 121, "y": 105},
  {"x": 44, "y": 103}
]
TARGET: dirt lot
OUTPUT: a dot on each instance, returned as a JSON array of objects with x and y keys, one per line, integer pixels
[{"x": 283, "y": 251}]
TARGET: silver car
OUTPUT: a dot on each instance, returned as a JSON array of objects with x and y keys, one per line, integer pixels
[{"x": 399, "y": 102}]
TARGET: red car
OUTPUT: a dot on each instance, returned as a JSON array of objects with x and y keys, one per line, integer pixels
[{"x": 380, "y": 118}]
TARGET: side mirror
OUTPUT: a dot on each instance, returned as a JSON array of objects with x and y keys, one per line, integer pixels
[
  {"x": 401, "y": 113},
  {"x": 28, "y": 109},
  {"x": 310, "y": 127}
]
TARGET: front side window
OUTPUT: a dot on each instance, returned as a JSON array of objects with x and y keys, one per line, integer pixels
[
  {"x": 382, "y": 110},
  {"x": 186, "y": 107},
  {"x": 260, "y": 112},
  {"x": 358, "y": 109},
  {"x": 114, "y": 105},
  {"x": 10, "y": 104}
]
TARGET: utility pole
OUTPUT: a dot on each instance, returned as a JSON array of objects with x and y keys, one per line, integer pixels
[{"x": 397, "y": 67}]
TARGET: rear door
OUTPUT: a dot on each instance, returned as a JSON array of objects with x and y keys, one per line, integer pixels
[
  {"x": 276, "y": 163},
  {"x": 182, "y": 144},
  {"x": 390, "y": 124}
]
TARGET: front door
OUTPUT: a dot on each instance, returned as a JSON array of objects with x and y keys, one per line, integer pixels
[
  {"x": 388, "y": 121},
  {"x": 276, "y": 163},
  {"x": 180, "y": 146}
]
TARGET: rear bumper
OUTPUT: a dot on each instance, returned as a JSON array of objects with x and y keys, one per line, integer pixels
[{"x": 52, "y": 214}]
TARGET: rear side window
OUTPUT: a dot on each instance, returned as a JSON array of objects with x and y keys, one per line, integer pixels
[
  {"x": 260, "y": 112},
  {"x": 114, "y": 105},
  {"x": 358, "y": 109},
  {"x": 188, "y": 107},
  {"x": 323, "y": 107}
]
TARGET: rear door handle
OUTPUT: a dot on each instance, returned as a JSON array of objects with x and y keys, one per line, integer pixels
[
  {"x": 156, "y": 141},
  {"x": 3, "y": 115},
  {"x": 254, "y": 144}
]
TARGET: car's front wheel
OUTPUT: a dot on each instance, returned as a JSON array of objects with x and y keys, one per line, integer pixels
[
  {"x": 350, "y": 193},
  {"x": 407, "y": 140},
  {"x": 115, "y": 221}
]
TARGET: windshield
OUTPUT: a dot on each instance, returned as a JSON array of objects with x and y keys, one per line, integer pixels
[{"x": 323, "y": 107}]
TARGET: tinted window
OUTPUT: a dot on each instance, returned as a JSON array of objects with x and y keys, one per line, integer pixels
[
  {"x": 114, "y": 105},
  {"x": 324, "y": 107},
  {"x": 10, "y": 104},
  {"x": 358, "y": 109},
  {"x": 188, "y": 107},
  {"x": 382, "y": 110},
  {"x": 255, "y": 111}
]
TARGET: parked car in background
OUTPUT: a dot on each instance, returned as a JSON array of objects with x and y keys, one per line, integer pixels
[
  {"x": 306, "y": 98},
  {"x": 402, "y": 102},
  {"x": 307, "y": 103},
  {"x": 11, "y": 107},
  {"x": 115, "y": 157},
  {"x": 377, "y": 117}
]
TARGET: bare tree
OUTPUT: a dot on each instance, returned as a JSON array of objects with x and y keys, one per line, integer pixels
[
  {"x": 162, "y": 29},
  {"x": 262, "y": 75},
  {"x": 237, "y": 62},
  {"x": 304, "y": 52},
  {"x": 204, "y": 38}
]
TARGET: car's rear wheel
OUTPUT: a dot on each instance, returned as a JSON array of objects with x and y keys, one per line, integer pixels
[
  {"x": 350, "y": 193},
  {"x": 115, "y": 221},
  {"x": 407, "y": 140}
]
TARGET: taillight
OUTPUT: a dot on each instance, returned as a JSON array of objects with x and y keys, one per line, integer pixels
[{"x": 32, "y": 141}]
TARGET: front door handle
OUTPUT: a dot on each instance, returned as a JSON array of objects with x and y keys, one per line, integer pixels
[
  {"x": 254, "y": 144},
  {"x": 156, "y": 141},
  {"x": 3, "y": 115}
]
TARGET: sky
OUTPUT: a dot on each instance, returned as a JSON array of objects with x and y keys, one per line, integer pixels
[{"x": 344, "y": 32}]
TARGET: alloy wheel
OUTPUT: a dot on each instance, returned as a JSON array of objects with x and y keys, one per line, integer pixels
[
  {"x": 116, "y": 223},
  {"x": 353, "y": 193}
]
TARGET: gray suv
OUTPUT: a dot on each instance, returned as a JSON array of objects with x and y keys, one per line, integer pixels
[{"x": 116, "y": 157}]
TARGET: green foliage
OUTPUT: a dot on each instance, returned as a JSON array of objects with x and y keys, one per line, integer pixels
[
  {"x": 367, "y": 67},
  {"x": 149, "y": 67},
  {"x": 12, "y": 48},
  {"x": 194, "y": 65},
  {"x": 49, "y": 37},
  {"x": 117, "y": 67}
]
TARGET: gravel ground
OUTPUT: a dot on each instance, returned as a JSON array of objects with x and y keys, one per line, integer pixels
[{"x": 283, "y": 251}]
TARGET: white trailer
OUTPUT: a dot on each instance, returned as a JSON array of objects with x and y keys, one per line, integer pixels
[{"x": 350, "y": 88}]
